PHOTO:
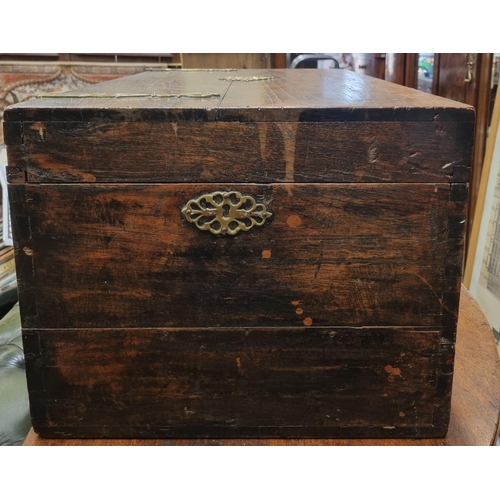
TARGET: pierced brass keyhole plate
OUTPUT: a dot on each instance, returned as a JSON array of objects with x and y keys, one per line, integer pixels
[{"x": 225, "y": 212}]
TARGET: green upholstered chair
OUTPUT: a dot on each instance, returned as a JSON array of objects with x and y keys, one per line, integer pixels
[{"x": 15, "y": 420}]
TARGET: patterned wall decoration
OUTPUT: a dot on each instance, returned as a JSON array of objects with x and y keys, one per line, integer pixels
[{"x": 21, "y": 81}]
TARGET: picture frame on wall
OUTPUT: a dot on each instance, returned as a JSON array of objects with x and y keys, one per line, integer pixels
[{"x": 482, "y": 271}]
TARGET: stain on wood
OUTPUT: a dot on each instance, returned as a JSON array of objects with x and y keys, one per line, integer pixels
[
  {"x": 201, "y": 152},
  {"x": 266, "y": 381},
  {"x": 87, "y": 249},
  {"x": 335, "y": 318}
]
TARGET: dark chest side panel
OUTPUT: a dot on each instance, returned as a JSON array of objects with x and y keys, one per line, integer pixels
[
  {"x": 240, "y": 382},
  {"x": 159, "y": 151},
  {"x": 331, "y": 254},
  {"x": 336, "y": 317}
]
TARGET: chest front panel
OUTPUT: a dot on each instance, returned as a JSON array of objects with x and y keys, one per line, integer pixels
[{"x": 240, "y": 270}]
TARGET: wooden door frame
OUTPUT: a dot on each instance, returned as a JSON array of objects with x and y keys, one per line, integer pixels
[{"x": 402, "y": 69}]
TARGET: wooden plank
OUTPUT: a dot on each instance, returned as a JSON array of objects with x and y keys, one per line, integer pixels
[
  {"x": 360, "y": 258},
  {"x": 253, "y": 382},
  {"x": 352, "y": 255},
  {"x": 244, "y": 152},
  {"x": 282, "y": 95},
  {"x": 475, "y": 403},
  {"x": 151, "y": 86}
]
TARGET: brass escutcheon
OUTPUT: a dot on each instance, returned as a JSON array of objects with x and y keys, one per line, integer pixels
[{"x": 225, "y": 212}]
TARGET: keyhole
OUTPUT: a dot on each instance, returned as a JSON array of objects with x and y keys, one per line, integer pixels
[{"x": 225, "y": 211}]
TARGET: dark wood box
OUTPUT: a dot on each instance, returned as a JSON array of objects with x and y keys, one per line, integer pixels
[{"x": 325, "y": 306}]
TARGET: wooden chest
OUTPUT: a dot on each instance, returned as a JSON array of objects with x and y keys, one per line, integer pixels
[{"x": 239, "y": 254}]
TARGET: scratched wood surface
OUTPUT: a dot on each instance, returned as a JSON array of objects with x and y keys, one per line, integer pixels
[
  {"x": 379, "y": 151},
  {"x": 349, "y": 291},
  {"x": 475, "y": 404},
  {"x": 239, "y": 383},
  {"x": 287, "y": 95},
  {"x": 330, "y": 255}
]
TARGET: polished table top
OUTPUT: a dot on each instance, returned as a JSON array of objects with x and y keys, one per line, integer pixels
[{"x": 475, "y": 404}]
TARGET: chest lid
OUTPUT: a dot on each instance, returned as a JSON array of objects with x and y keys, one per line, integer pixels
[{"x": 240, "y": 126}]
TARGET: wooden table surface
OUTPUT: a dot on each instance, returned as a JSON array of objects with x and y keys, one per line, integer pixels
[{"x": 475, "y": 405}]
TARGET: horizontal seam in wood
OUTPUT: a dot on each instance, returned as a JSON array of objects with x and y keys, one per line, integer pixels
[
  {"x": 231, "y": 183},
  {"x": 237, "y": 328}
]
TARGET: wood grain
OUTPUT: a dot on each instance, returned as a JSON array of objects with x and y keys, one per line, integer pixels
[
  {"x": 395, "y": 64},
  {"x": 123, "y": 255},
  {"x": 450, "y": 72},
  {"x": 475, "y": 403},
  {"x": 157, "y": 151},
  {"x": 232, "y": 60},
  {"x": 246, "y": 383},
  {"x": 349, "y": 291},
  {"x": 285, "y": 95}
]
